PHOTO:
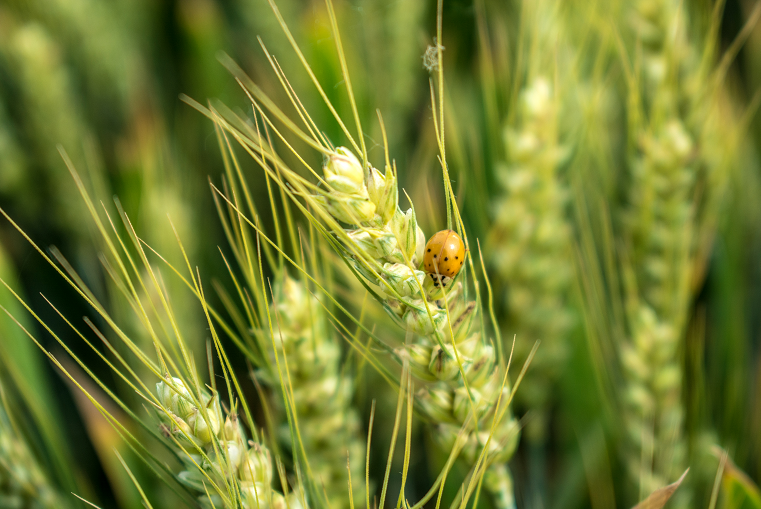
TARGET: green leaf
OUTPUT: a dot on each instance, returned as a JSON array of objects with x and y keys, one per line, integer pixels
[{"x": 739, "y": 491}]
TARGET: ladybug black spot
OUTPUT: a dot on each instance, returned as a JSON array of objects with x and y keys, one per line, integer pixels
[
  {"x": 435, "y": 284},
  {"x": 456, "y": 257},
  {"x": 460, "y": 263},
  {"x": 429, "y": 250},
  {"x": 444, "y": 285},
  {"x": 434, "y": 256},
  {"x": 446, "y": 259}
]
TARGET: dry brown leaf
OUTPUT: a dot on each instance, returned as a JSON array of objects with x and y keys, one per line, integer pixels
[{"x": 659, "y": 497}]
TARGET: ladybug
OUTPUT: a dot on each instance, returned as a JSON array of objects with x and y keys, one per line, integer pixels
[{"x": 444, "y": 256}]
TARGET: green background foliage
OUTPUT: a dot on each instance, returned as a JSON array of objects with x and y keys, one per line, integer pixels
[{"x": 103, "y": 80}]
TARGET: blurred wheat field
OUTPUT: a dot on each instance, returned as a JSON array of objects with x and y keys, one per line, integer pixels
[{"x": 218, "y": 289}]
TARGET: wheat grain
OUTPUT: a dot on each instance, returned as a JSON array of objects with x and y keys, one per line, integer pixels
[
  {"x": 444, "y": 343},
  {"x": 221, "y": 464}
]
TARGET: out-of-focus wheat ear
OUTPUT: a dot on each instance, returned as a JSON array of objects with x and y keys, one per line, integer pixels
[
  {"x": 21, "y": 363},
  {"x": 97, "y": 42},
  {"x": 23, "y": 480},
  {"x": 319, "y": 431},
  {"x": 135, "y": 445},
  {"x": 678, "y": 183},
  {"x": 51, "y": 114},
  {"x": 530, "y": 240},
  {"x": 15, "y": 179}
]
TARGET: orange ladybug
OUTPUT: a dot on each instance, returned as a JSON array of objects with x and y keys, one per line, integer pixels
[{"x": 444, "y": 256}]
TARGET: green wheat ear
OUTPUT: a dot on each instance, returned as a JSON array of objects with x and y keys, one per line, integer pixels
[
  {"x": 650, "y": 254},
  {"x": 320, "y": 392},
  {"x": 531, "y": 238},
  {"x": 675, "y": 109},
  {"x": 355, "y": 208}
]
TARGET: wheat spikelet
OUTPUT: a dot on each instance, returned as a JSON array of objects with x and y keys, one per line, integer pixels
[
  {"x": 221, "y": 464},
  {"x": 321, "y": 393}
]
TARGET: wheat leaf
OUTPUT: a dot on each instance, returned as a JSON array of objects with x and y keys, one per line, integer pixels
[{"x": 659, "y": 497}]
